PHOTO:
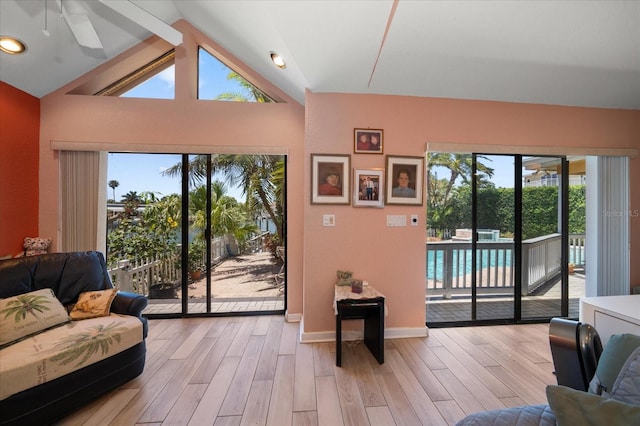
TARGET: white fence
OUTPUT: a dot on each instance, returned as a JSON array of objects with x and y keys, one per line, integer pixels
[{"x": 138, "y": 274}]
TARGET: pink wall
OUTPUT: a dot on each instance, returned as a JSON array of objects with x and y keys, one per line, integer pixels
[
  {"x": 183, "y": 121},
  {"x": 393, "y": 259},
  {"x": 19, "y": 129}
]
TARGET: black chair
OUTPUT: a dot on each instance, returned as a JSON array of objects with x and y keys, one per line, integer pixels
[{"x": 576, "y": 349}]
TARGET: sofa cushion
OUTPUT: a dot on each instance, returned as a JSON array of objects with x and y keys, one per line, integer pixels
[
  {"x": 627, "y": 386},
  {"x": 56, "y": 352},
  {"x": 93, "y": 304},
  {"x": 572, "y": 407},
  {"x": 613, "y": 357},
  {"x": 29, "y": 313},
  {"x": 526, "y": 415}
]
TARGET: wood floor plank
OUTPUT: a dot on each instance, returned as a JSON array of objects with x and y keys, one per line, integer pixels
[
  {"x": 473, "y": 384},
  {"x": 281, "y": 404},
  {"x": 323, "y": 358},
  {"x": 397, "y": 401},
  {"x": 450, "y": 410},
  {"x": 380, "y": 416},
  {"x": 304, "y": 395},
  {"x": 236, "y": 398},
  {"x": 305, "y": 418},
  {"x": 459, "y": 392},
  {"x": 289, "y": 338},
  {"x": 204, "y": 371},
  {"x": 471, "y": 365},
  {"x": 208, "y": 368},
  {"x": 237, "y": 347},
  {"x": 425, "y": 353},
  {"x": 158, "y": 410},
  {"x": 423, "y": 374},
  {"x": 329, "y": 412},
  {"x": 192, "y": 341},
  {"x": 353, "y": 410},
  {"x": 257, "y": 403},
  {"x": 266, "y": 367},
  {"x": 143, "y": 399},
  {"x": 418, "y": 398},
  {"x": 209, "y": 406},
  {"x": 364, "y": 376},
  {"x": 186, "y": 404},
  {"x": 262, "y": 325}
]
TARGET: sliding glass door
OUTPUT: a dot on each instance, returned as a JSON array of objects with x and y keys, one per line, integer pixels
[{"x": 497, "y": 238}]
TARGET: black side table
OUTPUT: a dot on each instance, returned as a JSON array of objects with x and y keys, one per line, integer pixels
[{"x": 372, "y": 311}]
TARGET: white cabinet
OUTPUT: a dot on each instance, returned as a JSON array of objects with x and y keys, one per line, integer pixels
[{"x": 611, "y": 314}]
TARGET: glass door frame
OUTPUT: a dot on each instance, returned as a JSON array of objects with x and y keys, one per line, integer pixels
[{"x": 517, "y": 251}]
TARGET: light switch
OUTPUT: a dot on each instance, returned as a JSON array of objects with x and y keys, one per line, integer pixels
[
  {"x": 329, "y": 220},
  {"x": 396, "y": 220}
]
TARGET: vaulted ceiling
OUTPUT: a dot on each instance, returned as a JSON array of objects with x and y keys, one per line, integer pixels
[{"x": 578, "y": 53}]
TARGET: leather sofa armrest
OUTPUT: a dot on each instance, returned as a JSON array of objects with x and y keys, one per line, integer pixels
[{"x": 126, "y": 303}]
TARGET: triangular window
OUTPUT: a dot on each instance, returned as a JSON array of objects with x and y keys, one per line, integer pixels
[
  {"x": 216, "y": 81},
  {"x": 155, "y": 80}
]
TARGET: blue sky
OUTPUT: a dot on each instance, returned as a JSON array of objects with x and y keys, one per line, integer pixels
[{"x": 143, "y": 172}]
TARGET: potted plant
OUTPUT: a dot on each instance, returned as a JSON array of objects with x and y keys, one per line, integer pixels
[{"x": 196, "y": 255}]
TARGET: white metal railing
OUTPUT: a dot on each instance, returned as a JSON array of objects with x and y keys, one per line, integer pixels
[
  {"x": 576, "y": 249},
  {"x": 449, "y": 264},
  {"x": 540, "y": 261}
]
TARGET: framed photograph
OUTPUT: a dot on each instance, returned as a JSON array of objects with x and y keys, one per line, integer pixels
[
  {"x": 368, "y": 188},
  {"x": 330, "y": 179},
  {"x": 404, "y": 180},
  {"x": 367, "y": 141}
]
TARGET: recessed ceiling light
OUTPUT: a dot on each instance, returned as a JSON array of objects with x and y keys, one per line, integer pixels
[
  {"x": 11, "y": 45},
  {"x": 278, "y": 61}
]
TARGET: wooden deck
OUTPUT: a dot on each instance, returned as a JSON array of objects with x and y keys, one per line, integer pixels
[
  {"x": 254, "y": 371},
  {"x": 546, "y": 303}
]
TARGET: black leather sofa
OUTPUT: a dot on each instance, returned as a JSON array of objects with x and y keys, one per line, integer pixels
[{"x": 69, "y": 274}]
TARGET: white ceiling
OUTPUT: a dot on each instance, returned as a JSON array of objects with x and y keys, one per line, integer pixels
[{"x": 582, "y": 53}]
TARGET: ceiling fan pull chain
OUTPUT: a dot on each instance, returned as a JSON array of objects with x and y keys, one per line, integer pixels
[{"x": 45, "y": 31}]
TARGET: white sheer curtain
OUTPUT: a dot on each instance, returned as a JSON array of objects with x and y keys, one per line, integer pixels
[
  {"x": 607, "y": 248},
  {"x": 82, "y": 201}
]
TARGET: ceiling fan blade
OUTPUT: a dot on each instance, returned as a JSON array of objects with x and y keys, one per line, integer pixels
[
  {"x": 79, "y": 24},
  {"x": 145, "y": 20}
]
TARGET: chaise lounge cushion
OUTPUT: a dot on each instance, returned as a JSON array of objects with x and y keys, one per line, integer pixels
[
  {"x": 526, "y": 415},
  {"x": 30, "y": 313},
  {"x": 573, "y": 407},
  {"x": 627, "y": 386},
  {"x": 57, "y": 352},
  {"x": 615, "y": 353}
]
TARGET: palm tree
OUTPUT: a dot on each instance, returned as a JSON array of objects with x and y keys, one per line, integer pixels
[
  {"x": 261, "y": 178},
  {"x": 248, "y": 93},
  {"x": 459, "y": 166},
  {"x": 113, "y": 184}
]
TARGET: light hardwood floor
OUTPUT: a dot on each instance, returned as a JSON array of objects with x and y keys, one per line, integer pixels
[{"x": 253, "y": 371}]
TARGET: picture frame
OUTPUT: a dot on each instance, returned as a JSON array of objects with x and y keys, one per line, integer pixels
[
  {"x": 368, "y": 188},
  {"x": 330, "y": 175},
  {"x": 405, "y": 177},
  {"x": 368, "y": 141}
]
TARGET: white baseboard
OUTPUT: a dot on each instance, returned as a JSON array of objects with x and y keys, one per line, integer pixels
[
  {"x": 389, "y": 333},
  {"x": 292, "y": 317}
]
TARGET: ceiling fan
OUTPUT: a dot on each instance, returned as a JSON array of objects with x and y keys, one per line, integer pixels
[{"x": 76, "y": 17}]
